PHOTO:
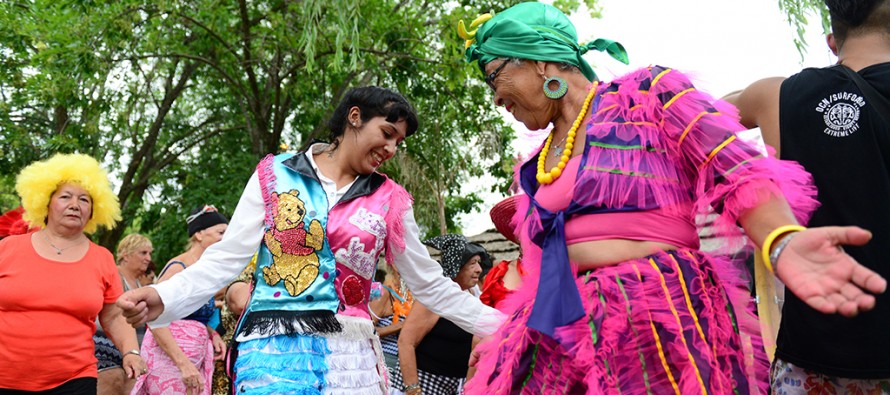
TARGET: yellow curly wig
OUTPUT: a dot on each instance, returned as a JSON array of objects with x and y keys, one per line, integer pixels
[{"x": 37, "y": 182}]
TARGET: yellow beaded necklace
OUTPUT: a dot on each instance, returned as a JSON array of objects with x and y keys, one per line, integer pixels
[{"x": 546, "y": 178}]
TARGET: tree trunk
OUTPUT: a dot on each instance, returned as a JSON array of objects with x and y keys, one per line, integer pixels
[{"x": 60, "y": 119}]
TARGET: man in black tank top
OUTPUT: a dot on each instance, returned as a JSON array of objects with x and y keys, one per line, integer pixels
[{"x": 837, "y": 132}]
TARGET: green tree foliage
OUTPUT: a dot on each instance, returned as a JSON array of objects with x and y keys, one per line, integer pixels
[
  {"x": 797, "y": 12},
  {"x": 179, "y": 99}
]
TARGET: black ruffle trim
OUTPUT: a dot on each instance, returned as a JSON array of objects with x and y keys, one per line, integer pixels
[{"x": 293, "y": 322}]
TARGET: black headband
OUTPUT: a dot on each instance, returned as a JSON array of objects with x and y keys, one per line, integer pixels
[{"x": 204, "y": 218}]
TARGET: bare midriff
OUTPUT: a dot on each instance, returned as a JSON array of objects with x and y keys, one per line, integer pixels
[{"x": 601, "y": 253}]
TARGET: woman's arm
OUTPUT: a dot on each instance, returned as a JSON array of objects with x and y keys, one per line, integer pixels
[
  {"x": 814, "y": 265},
  {"x": 471, "y": 370},
  {"x": 759, "y": 193},
  {"x": 124, "y": 338},
  {"x": 418, "y": 324},
  {"x": 167, "y": 342},
  {"x": 439, "y": 294},
  {"x": 390, "y": 329},
  {"x": 219, "y": 345},
  {"x": 378, "y": 307}
]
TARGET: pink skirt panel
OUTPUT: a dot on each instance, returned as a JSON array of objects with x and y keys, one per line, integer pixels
[
  {"x": 663, "y": 324},
  {"x": 163, "y": 376}
]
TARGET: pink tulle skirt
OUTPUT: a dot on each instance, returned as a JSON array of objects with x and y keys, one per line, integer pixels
[{"x": 664, "y": 324}]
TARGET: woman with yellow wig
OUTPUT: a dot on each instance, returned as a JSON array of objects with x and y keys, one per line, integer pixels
[{"x": 56, "y": 282}]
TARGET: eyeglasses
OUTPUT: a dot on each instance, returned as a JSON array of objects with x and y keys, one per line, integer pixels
[
  {"x": 494, "y": 74},
  {"x": 204, "y": 210}
]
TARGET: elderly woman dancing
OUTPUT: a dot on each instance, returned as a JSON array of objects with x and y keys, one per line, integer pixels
[
  {"x": 55, "y": 282},
  {"x": 618, "y": 298},
  {"x": 180, "y": 357}
]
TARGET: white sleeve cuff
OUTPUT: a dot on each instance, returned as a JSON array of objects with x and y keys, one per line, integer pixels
[{"x": 488, "y": 322}]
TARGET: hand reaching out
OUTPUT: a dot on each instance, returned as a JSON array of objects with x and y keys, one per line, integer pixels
[{"x": 815, "y": 267}]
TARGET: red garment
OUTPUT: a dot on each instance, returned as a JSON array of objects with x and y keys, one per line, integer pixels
[
  {"x": 47, "y": 313},
  {"x": 493, "y": 290},
  {"x": 293, "y": 241}
]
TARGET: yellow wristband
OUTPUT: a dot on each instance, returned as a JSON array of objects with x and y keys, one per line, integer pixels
[{"x": 772, "y": 237}]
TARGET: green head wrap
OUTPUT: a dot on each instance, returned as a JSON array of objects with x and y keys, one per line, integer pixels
[{"x": 533, "y": 31}]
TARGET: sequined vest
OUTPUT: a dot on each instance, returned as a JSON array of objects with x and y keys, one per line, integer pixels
[{"x": 318, "y": 260}]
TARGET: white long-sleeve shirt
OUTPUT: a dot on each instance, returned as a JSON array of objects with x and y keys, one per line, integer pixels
[{"x": 222, "y": 262}]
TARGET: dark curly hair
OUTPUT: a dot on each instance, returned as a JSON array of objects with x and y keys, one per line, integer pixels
[
  {"x": 372, "y": 101},
  {"x": 852, "y": 17}
]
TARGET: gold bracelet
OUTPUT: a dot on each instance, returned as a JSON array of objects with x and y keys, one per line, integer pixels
[{"x": 771, "y": 238}]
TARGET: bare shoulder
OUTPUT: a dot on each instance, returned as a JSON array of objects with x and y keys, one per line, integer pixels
[
  {"x": 758, "y": 102},
  {"x": 766, "y": 85},
  {"x": 173, "y": 266},
  {"x": 757, "y": 90}
]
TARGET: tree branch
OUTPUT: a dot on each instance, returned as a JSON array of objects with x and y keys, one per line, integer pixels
[
  {"x": 212, "y": 34},
  {"x": 232, "y": 81}
]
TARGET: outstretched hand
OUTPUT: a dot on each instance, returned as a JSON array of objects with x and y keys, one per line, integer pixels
[
  {"x": 140, "y": 305},
  {"x": 819, "y": 272}
]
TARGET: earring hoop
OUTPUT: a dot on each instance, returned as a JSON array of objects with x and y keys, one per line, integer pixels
[{"x": 560, "y": 90}]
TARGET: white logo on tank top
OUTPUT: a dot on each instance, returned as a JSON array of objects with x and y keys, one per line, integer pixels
[{"x": 840, "y": 111}]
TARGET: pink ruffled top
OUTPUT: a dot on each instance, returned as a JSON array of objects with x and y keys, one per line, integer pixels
[
  {"x": 654, "y": 146},
  {"x": 666, "y": 226}
]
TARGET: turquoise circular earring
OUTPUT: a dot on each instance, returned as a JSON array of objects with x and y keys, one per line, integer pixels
[{"x": 560, "y": 90}]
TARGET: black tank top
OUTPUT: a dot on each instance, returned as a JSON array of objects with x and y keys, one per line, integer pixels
[
  {"x": 837, "y": 135},
  {"x": 445, "y": 350}
]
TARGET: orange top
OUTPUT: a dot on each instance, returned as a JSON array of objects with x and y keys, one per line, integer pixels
[{"x": 47, "y": 314}]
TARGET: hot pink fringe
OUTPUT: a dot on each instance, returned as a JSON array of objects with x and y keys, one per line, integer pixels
[
  {"x": 266, "y": 176},
  {"x": 399, "y": 203},
  {"x": 685, "y": 143}
]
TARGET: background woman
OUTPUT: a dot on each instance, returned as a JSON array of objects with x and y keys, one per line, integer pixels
[
  {"x": 618, "y": 294},
  {"x": 56, "y": 282},
  {"x": 390, "y": 312},
  {"x": 432, "y": 351},
  {"x": 133, "y": 260},
  {"x": 180, "y": 356}
]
